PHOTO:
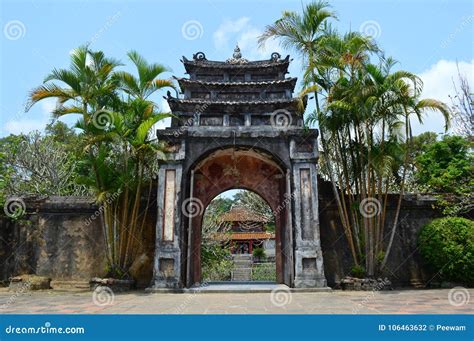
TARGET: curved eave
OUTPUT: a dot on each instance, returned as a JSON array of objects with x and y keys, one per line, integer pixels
[
  {"x": 258, "y": 64},
  {"x": 185, "y": 83},
  {"x": 193, "y": 105}
]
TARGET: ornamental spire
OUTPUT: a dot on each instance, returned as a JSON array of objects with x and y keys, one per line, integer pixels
[
  {"x": 237, "y": 54},
  {"x": 237, "y": 57}
]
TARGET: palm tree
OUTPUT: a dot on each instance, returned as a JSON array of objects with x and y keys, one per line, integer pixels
[
  {"x": 119, "y": 150},
  {"x": 413, "y": 105},
  {"x": 147, "y": 82},
  {"x": 302, "y": 33},
  {"x": 86, "y": 86},
  {"x": 364, "y": 108}
]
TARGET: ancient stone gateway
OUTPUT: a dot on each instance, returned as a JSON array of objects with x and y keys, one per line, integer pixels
[{"x": 238, "y": 126}]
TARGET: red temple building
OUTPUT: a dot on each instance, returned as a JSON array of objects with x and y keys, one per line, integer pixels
[{"x": 248, "y": 230}]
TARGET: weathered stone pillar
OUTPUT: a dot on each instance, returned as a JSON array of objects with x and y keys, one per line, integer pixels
[
  {"x": 167, "y": 264},
  {"x": 309, "y": 269}
]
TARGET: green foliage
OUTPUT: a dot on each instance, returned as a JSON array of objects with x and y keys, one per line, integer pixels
[
  {"x": 447, "y": 244},
  {"x": 216, "y": 262},
  {"x": 255, "y": 203},
  {"x": 259, "y": 253},
  {"x": 264, "y": 272},
  {"x": 37, "y": 164},
  {"x": 219, "y": 205},
  {"x": 446, "y": 165},
  {"x": 358, "y": 271}
]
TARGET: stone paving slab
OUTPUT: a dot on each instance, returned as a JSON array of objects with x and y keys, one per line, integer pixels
[
  {"x": 236, "y": 287},
  {"x": 279, "y": 302}
]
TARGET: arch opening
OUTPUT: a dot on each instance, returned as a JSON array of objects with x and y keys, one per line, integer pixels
[
  {"x": 238, "y": 238},
  {"x": 244, "y": 169}
]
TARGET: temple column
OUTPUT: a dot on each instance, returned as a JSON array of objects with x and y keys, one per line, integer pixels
[{"x": 308, "y": 261}]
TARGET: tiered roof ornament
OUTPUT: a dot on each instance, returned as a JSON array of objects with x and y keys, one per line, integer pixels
[{"x": 237, "y": 57}]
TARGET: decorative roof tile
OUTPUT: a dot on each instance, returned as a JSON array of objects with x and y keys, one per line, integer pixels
[
  {"x": 219, "y": 102},
  {"x": 291, "y": 81},
  {"x": 200, "y": 60},
  {"x": 224, "y": 236}
]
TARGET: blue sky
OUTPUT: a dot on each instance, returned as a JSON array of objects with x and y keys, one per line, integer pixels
[{"x": 426, "y": 37}]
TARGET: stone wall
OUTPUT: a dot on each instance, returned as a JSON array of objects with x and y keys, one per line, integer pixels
[
  {"x": 62, "y": 238},
  {"x": 59, "y": 238},
  {"x": 405, "y": 266}
]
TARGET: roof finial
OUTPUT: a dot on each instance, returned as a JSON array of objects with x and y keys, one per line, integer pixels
[
  {"x": 237, "y": 54},
  {"x": 237, "y": 57}
]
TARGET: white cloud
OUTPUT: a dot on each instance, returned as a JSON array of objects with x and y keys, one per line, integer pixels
[
  {"x": 438, "y": 83},
  {"x": 227, "y": 29},
  {"x": 438, "y": 79},
  {"x": 242, "y": 32},
  {"x": 23, "y": 126},
  {"x": 47, "y": 106}
]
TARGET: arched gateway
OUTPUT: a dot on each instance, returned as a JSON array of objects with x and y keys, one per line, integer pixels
[{"x": 238, "y": 126}]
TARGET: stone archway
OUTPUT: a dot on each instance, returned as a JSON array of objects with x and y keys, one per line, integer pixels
[
  {"x": 237, "y": 125},
  {"x": 249, "y": 169}
]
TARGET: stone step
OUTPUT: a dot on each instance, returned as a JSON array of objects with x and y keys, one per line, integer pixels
[
  {"x": 241, "y": 275},
  {"x": 250, "y": 257},
  {"x": 59, "y": 284},
  {"x": 242, "y": 263},
  {"x": 244, "y": 270}
]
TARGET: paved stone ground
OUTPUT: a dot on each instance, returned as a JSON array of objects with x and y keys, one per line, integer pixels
[{"x": 282, "y": 302}]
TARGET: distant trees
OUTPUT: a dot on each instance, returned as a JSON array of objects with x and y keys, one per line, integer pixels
[
  {"x": 255, "y": 203},
  {"x": 41, "y": 164},
  {"x": 447, "y": 167},
  {"x": 463, "y": 108}
]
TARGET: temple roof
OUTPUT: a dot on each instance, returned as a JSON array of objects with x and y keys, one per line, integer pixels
[
  {"x": 200, "y": 60},
  {"x": 209, "y": 105},
  {"x": 224, "y": 236},
  {"x": 197, "y": 101},
  {"x": 242, "y": 214},
  {"x": 287, "y": 81}
]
